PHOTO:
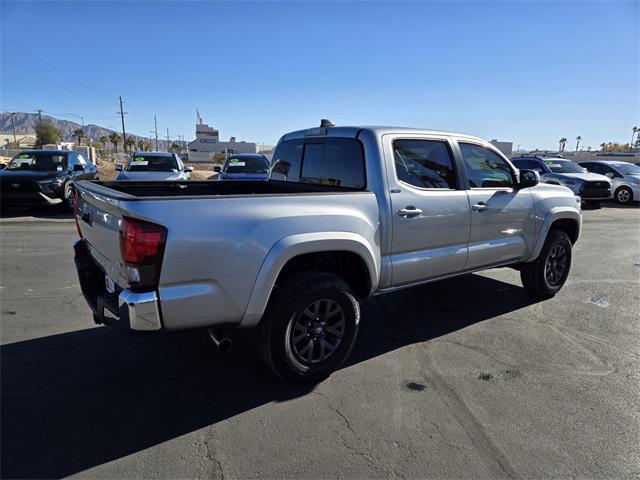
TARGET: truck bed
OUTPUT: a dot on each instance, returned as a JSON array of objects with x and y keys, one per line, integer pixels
[{"x": 132, "y": 190}]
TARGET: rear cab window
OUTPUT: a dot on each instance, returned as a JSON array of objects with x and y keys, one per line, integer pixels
[{"x": 330, "y": 161}]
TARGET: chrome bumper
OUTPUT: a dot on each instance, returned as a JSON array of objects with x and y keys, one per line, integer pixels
[
  {"x": 141, "y": 309},
  {"x": 125, "y": 310}
]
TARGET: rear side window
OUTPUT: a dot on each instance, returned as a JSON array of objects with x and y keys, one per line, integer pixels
[
  {"x": 286, "y": 161},
  {"x": 337, "y": 162},
  {"x": 528, "y": 165},
  {"x": 485, "y": 168},
  {"x": 424, "y": 163}
]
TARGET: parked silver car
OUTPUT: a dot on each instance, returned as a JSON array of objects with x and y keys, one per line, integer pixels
[
  {"x": 154, "y": 166},
  {"x": 625, "y": 178},
  {"x": 591, "y": 187}
]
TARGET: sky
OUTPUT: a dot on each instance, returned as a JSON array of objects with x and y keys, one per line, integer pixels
[{"x": 527, "y": 72}]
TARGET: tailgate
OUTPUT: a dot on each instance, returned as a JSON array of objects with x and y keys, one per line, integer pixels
[{"x": 98, "y": 217}]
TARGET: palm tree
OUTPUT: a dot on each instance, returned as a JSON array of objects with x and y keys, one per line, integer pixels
[
  {"x": 79, "y": 134},
  {"x": 141, "y": 144},
  {"x": 602, "y": 145},
  {"x": 635, "y": 129},
  {"x": 174, "y": 147},
  {"x": 115, "y": 139},
  {"x": 103, "y": 139},
  {"x": 131, "y": 142},
  {"x": 146, "y": 147},
  {"x": 578, "y": 138},
  {"x": 561, "y": 143}
]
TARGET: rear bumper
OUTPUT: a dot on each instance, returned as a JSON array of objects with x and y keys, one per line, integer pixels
[{"x": 123, "y": 309}]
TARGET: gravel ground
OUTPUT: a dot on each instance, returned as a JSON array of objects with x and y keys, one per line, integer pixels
[{"x": 468, "y": 378}]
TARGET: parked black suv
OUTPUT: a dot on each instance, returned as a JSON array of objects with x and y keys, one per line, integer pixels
[{"x": 43, "y": 177}]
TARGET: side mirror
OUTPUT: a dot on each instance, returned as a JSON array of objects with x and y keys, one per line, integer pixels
[
  {"x": 529, "y": 178},
  {"x": 217, "y": 169},
  {"x": 188, "y": 169},
  {"x": 609, "y": 174},
  {"x": 118, "y": 167},
  {"x": 78, "y": 168}
]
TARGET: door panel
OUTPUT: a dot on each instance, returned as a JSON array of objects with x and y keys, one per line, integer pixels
[
  {"x": 430, "y": 214},
  {"x": 502, "y": 218},
  {"x": 501, "y": 226},
  {"x": 433, "y": 243}
]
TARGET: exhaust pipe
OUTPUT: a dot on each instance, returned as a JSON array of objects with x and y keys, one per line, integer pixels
[{"x": 220, "y": 339}]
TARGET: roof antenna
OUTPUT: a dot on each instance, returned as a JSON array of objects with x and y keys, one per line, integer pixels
[{"x": 326, "y": 123}]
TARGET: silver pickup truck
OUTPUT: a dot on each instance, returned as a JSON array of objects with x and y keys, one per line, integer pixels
[{"x": 348, "y": 212}]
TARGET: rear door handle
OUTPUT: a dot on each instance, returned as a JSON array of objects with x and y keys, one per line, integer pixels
[
  {"x": 409, "y": 211},
  {"x": 480, "y": 206}
]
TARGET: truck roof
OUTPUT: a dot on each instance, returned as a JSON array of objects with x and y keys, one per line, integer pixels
[{"x": 353, "y": 131}]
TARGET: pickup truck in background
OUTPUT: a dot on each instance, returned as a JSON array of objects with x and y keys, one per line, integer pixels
[{"x": 348, "y": 212}]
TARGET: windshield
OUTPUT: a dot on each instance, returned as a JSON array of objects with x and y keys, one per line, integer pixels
[
  {"x": 149, "y": 163},
  {"x": 44, "y": 162},
  {"x": 626, "y": 168},
  {"x": 247, "y": 165},
  {"x": 563, "y": 166}
]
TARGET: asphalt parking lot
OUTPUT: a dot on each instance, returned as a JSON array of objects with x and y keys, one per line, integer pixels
[{"x": 467, "y": 378}]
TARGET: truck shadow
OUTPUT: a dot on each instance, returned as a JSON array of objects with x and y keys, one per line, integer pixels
[{"x": 77, "y": 400}]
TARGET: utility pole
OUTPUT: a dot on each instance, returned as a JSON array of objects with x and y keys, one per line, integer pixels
[
  {"x": 39, "y": 117},
  {"x": 124, "y": 133},
  {"x": 168, "y": 144},
  {"x": 155, "y": 121},
  {"x": 13, "y": 124}
]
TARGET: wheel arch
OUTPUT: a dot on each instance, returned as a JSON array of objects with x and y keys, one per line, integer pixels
[
  {"x": 327, "y": 251},
  {"x": 568, "y": 220}
]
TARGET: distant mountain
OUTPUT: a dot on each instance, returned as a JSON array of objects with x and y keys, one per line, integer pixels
[{"x": 27, "y": 122}]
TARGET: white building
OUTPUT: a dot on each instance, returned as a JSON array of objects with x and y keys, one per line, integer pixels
[{"x": 207, "y": 144}]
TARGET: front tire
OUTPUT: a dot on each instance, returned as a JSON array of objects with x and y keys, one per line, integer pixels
[
  {"x": 545, "y": 276},
  {"x": 310, "y": 326},
  {"x": 624, "y": 195},
  {"x": 69, "y": 195}
]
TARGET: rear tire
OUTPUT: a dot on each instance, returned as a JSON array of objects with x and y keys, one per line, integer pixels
[
  {"x": 545, "y": 276},
  {"x": 624, "y": 195},
  {"x": 309, "y": 327}
]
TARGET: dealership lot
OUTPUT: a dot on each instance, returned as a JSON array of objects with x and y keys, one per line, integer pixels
[{"x": 470, "y": 377}]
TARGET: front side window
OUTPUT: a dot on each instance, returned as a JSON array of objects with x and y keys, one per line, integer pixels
[
  {"x": 40, "y": 161},
  {"x": 485, "y": 168},
  {"x": 151, "y": 163},
  {"x": 424, "y": 163},
  {"x": 337, "y": 162}
]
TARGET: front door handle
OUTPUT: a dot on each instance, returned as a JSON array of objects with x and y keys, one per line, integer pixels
[
  {"x": 480, "y": 206},
  {"x": 409, "y": 211}
]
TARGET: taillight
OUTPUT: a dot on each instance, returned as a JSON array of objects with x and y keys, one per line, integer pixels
[
  {"x": 141, "y": 247},
  {"x": 75, "y": 212}
]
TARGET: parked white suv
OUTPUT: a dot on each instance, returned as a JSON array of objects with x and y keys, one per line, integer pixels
[{"x": 624, "y": 176}]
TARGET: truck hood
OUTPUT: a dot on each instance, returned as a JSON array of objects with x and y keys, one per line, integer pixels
[
  {"x": 244, "y": 176},
  {"x": 25, "y": 175},
  {"x": 585, "y": 177},
  {"x": 151, "y": 176}
]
